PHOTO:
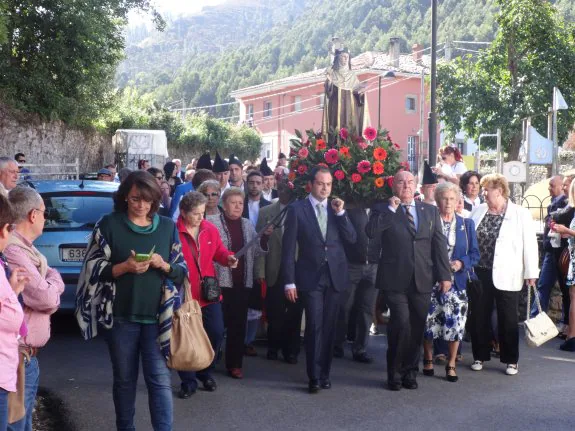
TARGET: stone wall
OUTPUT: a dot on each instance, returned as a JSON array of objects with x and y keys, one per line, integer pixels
[{"x": 52, "y": 142}]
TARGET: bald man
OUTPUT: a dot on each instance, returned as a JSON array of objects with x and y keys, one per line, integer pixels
[{"x": 413, "y": 258}]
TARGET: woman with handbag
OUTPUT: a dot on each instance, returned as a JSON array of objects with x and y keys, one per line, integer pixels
[
  {"x": 202, "y": 246},
  {"x": 131, "y": 270},
  {"x": 11, "y": 315},
  {"x": 569, "y": 232},
  {"x": 237, "y": 283},
  {"x": 508, "y": 259},
  {"x": 448, "y": 309}
]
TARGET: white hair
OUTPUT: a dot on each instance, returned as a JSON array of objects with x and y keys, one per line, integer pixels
[
  {"x": 24, "y": 200},
  {"x": 5, "y": 161}
]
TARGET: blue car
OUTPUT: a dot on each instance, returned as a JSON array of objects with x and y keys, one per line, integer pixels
[{"x": 73, "y": 208}]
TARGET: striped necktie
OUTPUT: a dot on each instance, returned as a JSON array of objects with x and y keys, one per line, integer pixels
[{"x": 409, "y": 218}]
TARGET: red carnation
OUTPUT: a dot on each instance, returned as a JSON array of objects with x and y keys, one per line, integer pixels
[
  {"x": 389, "y": 181},
  {"x": 331, "y": 156},
  {"x": 302, "y": 169},
  {"x": 343, "y": 134},
  {"x": 320, "y": 145},
  {"x": 355, "y": 178},
  {"x": 339, "y": 175},
  {"x": 303, "y": 153},
  {"x": 363, "y": 167},
  {"x": 344, "y": 151},
  {"x": 370, "y": 133}
]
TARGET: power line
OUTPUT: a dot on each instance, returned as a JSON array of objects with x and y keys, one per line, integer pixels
[{"x": 470, "y": 42}]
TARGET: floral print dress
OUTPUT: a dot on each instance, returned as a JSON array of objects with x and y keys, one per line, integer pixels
[
  {"x": 571, "y": 241},
  {"x": 448, "y": 311}
]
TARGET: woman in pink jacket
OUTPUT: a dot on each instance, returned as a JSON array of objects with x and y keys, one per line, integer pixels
[{"x": 11, "y": 315}]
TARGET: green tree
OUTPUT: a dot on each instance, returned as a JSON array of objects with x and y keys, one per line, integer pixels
[{"x": 513, "y": 79}]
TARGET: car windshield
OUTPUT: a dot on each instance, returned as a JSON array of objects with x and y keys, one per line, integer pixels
[{"x": 75, "y": 211}]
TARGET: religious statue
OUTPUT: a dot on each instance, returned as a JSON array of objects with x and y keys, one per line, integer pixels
[{"x": 345, "y": 102}]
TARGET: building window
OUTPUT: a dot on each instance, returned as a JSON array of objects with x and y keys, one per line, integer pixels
[
  {"x": 250, "y": 112},
  {"x": 297, "y": 104},
  {"x": 411, "y": 104},
  {"x": 267, "y": 109},
  {"x": 267, "y": 150},
  {"x": 321, "y": 97},
  {"x": 411, "y": 152}
]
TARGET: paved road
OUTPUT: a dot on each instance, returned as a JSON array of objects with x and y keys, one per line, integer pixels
[{"x": 272, "y": 395}]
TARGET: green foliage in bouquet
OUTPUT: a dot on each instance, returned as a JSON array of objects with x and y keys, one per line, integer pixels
[{"x": 362, "y": 166}]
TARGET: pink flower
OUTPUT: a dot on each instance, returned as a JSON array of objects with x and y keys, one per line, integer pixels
[
  {"x": 343, "y": 134},
  {"x": 331, "y": 156},
  {"x": 370, "y": 133},
  {"x": 303, "y": 153},
  {"x": 363, "y": 167},
  {"x": 339, "y": 175},
  {"x": 355, "y": 178},
  {"x": 302, "y": 169},
  {"x": 361, "y": 144},
  {"x": 389, "y": 182}
]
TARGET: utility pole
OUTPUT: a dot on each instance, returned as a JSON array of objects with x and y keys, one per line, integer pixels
[
  {"x": 183, "y": 109},
  {"x": 433, "y": 113}
]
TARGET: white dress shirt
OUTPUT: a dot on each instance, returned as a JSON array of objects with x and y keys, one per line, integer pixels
[{"x": 254, "y": 211}]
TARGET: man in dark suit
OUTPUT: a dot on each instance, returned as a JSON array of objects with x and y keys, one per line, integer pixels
[
  {"x": 413, "y": 258},
  {"x": 254, "y": 199},
  {"x": 319, "y": 273}
]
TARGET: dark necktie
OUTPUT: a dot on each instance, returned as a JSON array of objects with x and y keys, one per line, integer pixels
[{"x": 409, "y": 218}]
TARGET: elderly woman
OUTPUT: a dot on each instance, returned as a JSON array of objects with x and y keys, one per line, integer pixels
[
  {"x": 198, "y": 234},
  {"x": 11, "y": 314},
  {"x": 448, "y": 309},
  {"x": 127, "y": 287},
  {"x": 469, "y": 183},
  {"x": 236, "y": 283},
  {"x": 211, "y": 190},
  {"x": 508, "y": 258}
]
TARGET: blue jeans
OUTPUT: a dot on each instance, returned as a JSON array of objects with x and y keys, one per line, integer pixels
[
  {"x": 30, "y": 391},
  {"x": 3, "y": 409},
  {"x": 547, "y": 278},
  {"x": 213, "y": 320},
  {"x": 127, "y": 341}
]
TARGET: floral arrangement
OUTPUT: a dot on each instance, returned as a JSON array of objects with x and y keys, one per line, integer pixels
[{"x": 362, "y": 166}]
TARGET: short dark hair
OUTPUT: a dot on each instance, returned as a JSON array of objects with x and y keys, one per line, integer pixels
[
  {"x": 192, "y": 200},
  {"x": 255, "y": 174},
  {"x": 282, "y": 156},
  {"x": 146, "y": 184},
  {"x": 155, "y": 171},
  {"x": 141, "y": 163},
  {"x": 18, "y": 155},
  {"x": 316, "y": 170},
  {"x": 466, "y": 177},
  {"x": 200, "y": 176},
  {"x": 7, "y": 215}
]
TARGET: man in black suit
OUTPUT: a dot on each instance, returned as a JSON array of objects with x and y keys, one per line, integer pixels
[
  {"x": 413, "y": 258},
  {"x": 319, "y": 273},
  {"x": 254, "y": 199}
]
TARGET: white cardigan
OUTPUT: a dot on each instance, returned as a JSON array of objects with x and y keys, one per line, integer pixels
[{"x": 516, "y": 251}]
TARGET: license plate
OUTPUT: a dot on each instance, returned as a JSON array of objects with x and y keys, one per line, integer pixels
[{"x": 73, "y": 254}]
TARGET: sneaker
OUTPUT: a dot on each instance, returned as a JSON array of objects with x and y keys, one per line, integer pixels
[
  {"x": 512, "y": 369},
  {"x": 373, "y": 329},
  {"x": 477, "y": 366}
]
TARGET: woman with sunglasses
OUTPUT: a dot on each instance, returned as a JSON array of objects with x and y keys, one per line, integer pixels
[
  {"x": 11, "y": 314},
  {"x": 132, "y": 268},
  {"x": 211, "y": 190}
]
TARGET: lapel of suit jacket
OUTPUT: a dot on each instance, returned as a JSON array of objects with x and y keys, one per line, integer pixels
[
  {"x": 310, "y": 211},
  {"x": 421, "y": 216}
]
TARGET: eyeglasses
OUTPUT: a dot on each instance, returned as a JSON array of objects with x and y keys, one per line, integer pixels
[
  {"x": 45, "y": 213},
  {"x": 138, "y": 199},
  {"x": 211, "y": 195}
]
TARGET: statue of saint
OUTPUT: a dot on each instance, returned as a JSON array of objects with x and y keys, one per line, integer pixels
[{"x": 345, "y": 103}]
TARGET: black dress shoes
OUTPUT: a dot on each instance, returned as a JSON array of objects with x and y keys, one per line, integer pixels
[
  {"x": 409, "y": 384},
  {"x": 291, "y": 359},
  {"x": 272, "y": 355},
  {"x": 338, "y": 352},
  {"x": 210, "y": 385},
  {"x": 185, "y": 393},
  {"x": 325, "y": 384},
  {"x": 393, "y": 386},
  {"x": 363, "y": 358},
  {"x": 313, "y": 386}
]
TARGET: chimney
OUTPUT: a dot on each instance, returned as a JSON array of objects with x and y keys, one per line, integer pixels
[
  {"x": 417, "y": 52},
  {"x": 394, "y": 51}
]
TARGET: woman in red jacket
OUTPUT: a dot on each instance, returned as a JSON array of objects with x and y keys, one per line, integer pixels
[{"x": 202, "y": 246}]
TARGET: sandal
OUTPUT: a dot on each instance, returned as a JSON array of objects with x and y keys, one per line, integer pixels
[
  {"x": 450, "y": 377},
  {"x": 429, "y": 371},
  {"x": 440, "y": 359}
]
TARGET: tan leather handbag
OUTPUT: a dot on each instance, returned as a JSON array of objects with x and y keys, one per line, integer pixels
[
  {"x": 190, "y": 347},
  {"x": 16, "y": 406}
]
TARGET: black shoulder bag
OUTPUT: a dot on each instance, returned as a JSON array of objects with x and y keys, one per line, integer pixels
[{"x": 210, "y": 289}]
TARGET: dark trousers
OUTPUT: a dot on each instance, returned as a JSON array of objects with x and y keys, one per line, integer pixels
[
  {"x": 321, "y": 308},
  {"x": 360, "y": 295},
  {"x": 213, "y": 320},
  {"x": 408, "y": 314},
  {"x": 284, "y": 322},
  {"x": 480, "y": 307},
  {"x": 549, "y": 275},
  {"x": 235, "y": 307}
]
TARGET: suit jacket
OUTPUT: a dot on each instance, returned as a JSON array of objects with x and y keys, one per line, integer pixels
[
  {"x": 268, "y": 266},
  {"x": 466, "y": 250},
  {"x": 516, "y": 251},
  {"x": 246, "y": 213},
  {"x": 181, "y": 190},
  {"x": 302, "y": 230},
  {"x": 405, "y": 256}
]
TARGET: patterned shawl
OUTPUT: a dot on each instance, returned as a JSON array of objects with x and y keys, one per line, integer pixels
[{"x": 95, "y": 298}]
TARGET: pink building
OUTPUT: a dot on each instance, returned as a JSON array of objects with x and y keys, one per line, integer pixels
[{"x": 396, "y": 97}]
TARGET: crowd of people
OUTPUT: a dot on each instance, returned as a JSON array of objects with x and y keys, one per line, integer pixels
[{"x": 448, "y": 258}]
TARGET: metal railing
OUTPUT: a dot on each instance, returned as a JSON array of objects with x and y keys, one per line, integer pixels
[
  {"x": 51, "y": 171},
  {"x": 533, "y": 202}
]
